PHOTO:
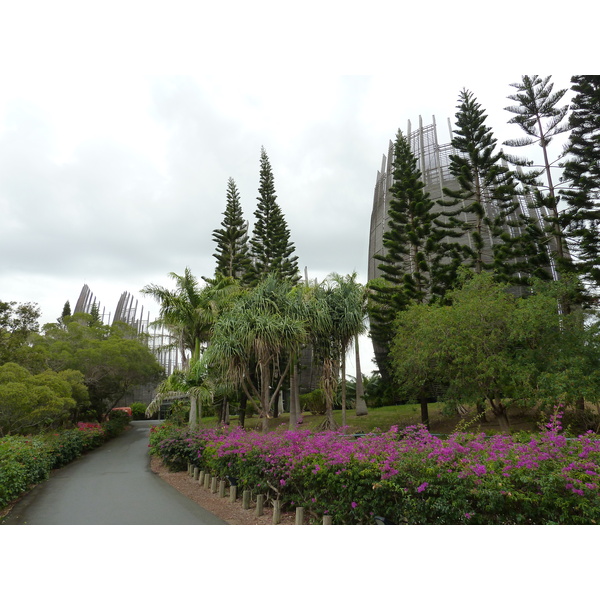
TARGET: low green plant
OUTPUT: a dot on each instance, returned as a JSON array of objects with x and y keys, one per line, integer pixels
[
  {"x": 64, "y": 446},
  {"x": 138, "y": 410},
  {"x": 27, "y": 460},
  {"x": 23, "y": 462},
  {"x": 313, "y": 402},
  {"x": 118, "y": 421}
]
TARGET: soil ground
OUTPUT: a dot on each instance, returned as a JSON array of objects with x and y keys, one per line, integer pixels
[{"x": 231, "y": 512}]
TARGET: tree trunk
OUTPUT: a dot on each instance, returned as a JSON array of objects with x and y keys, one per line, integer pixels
[
  {"x": 293, "y": 421},
  {"x": 501, "y": 414},
  {"x": 425, "y": 412},
  {"x": 328, "y": 391},
  {"x": 242, "y": 410},
  {"x": 361, "y": 405},
  {"x": 193, "y": 420},
  {"x": 224, "y": 417},
  {"x": 265, "y": 395},
  {"x": 343, "y": 389}
]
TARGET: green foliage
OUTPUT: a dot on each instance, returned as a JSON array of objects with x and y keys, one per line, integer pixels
[
  {"x": 32, "y": 402},
  {"x": 313, "y": 402},
  {"x": 580, "y": 221},
  {"x": 138, "y": 410},
  {"x": 486, "y": 200},
  {"x": 258, "y": 334},
  {"x": 17, "y": 323},
  {"x": 118, "y": 422},
  {"x": 111, "y": 359},
  {"x": 538, "y": 115},
  {"x": 65, "y": 446},
  {"x": 270, "y": 245},
  {"x": 232, "y": 239},
  {"x": 489, "y": 345},
  {"x": 25, "y": 461},
  {"x": 179, "y": 412}
]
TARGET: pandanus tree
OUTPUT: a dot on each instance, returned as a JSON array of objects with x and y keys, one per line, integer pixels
[{"x": 254, "y": 343}]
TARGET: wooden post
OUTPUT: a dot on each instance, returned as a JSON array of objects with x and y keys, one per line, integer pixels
[
  {"x": 327, "y": 520},
  {"x": 299, "y": 515},
  {"x": 222, "y": 488},
  {"x": 246, "y": 499},
  {"x": 201, "y": 477},
  {"x": 196, "y": 473},
  {"x": 213, "y": 485},
  {"x": 232, "y": 493},
  {"x": 189, "y": 469},
  {"x": 276, "y": 512},
  {"x": 207, "y": 480},
  {"x": 260, "y": 501}
]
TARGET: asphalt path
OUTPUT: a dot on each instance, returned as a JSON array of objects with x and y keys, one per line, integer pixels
[{"x": 112, "y": 485}]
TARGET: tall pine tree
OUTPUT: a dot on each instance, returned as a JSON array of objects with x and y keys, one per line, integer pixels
[
  {"x": 412, "y": 236},
  {"x": 412, "y": 257},
  {"x": 581, "y": 219},
  {"x": 232, "y": 239},
  {"x": 270, "y": 246},
  {"x": 538, "y": 115},
  {"x": 485, "y": 207}
]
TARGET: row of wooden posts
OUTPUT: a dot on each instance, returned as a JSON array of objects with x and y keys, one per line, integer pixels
[{"x": 215, "y": 485}]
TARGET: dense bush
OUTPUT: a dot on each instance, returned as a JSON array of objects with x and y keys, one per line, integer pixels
[
  {"x": 23, "y": 461},
  {"x": 174, "y": 446},
  {"x": 408, "y": 476},
  {"x": 118, "y": 421},
  {"x": 138, "y": 410},
  {"x": 313, "y": 402}
]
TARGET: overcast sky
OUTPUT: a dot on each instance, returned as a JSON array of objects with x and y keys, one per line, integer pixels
[
  {"x": 120, "y": 124},
  {"x": 121, "y": 121}
]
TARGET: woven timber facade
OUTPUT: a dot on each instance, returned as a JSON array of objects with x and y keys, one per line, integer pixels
[{"x": 433, "y": 160}]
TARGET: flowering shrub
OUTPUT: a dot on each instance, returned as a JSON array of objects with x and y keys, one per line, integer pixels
[
  {"x": 92, "y": 435},
  {"x": 407, "y": 476}
]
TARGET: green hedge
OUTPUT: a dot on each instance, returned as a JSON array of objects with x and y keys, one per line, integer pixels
[{"x": 27, "y": 460}]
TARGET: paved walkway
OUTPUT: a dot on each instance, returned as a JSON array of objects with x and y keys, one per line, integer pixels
[{"x": 112, "y": 485}]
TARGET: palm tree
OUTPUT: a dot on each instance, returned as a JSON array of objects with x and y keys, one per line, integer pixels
[
  {"x": 337, "y": 316},
  {"x": 190, "y": 313},
  {"x": 349, "y": 323}
]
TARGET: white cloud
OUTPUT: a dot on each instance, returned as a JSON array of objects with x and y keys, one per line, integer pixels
[{"x": 120, "y": 124}]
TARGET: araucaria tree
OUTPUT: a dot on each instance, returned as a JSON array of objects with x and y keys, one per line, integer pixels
[
  {"x": 538, "y": 115},
  {"x": 486, "y": 200},
  {"x": 412, "y": 237},
  {"x": 270, "y": 247},
  {"x": 411, "y": 264},
  {"x": 232, "y": 238},
  {"x": 581, "y": 218}
]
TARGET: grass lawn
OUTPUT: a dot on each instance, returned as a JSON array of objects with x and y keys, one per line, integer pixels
[{"x": 384, "y": 417}]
